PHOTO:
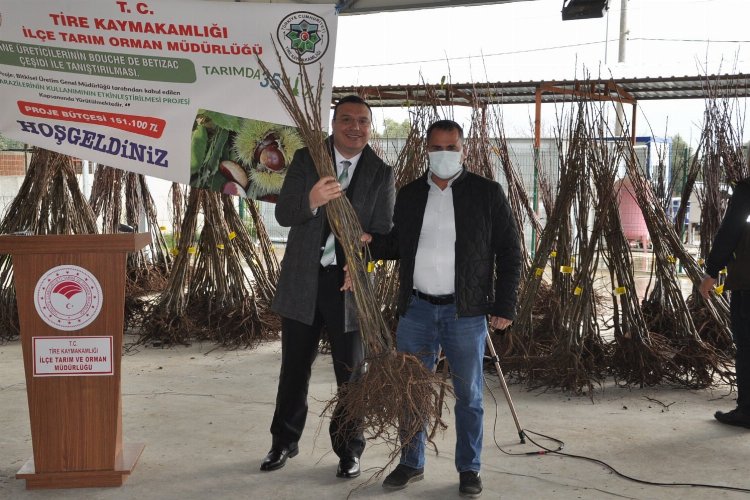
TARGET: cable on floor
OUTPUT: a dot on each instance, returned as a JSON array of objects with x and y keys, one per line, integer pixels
[{"x": 543, "y": 450}]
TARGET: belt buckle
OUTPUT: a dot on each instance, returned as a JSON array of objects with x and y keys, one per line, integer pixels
[
  {"x": 436, "y": 300},
  {"x": 441, "y": 300}
]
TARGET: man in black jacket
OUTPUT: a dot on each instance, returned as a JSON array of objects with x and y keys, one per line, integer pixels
[
  {"x": 731, "y": 248},
  {"x": 460, "y": 261}
]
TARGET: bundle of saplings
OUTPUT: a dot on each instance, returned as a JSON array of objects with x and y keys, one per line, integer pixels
[
  {"x": 209, "y": 296},
  {"x": 118, "y": 199},
  {"x": 49, "y": 202}
]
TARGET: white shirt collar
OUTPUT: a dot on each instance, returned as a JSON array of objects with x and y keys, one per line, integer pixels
[
  {"x": 339, "y": 158},
  {"x": 431, "y": 183}
]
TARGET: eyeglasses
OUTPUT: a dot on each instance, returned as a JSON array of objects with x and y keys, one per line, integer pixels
[{"x": 348, "y": 121}]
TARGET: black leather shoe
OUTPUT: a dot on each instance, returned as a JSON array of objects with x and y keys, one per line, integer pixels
[
  {"x": 348, "y": 468},
  {"x": 737, "y": 417},
  {"x": 276, "y": 458},
  {"x": 401, "y": 476},
  {"x": 470, "y": 484}
]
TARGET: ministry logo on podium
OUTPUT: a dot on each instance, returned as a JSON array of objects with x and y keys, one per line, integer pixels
[{"x": 68, "y": 297}]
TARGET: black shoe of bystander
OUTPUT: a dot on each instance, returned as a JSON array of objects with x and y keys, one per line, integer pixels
[{"x": 737, "y": 417}]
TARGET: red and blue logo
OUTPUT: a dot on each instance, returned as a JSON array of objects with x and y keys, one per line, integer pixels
[{"x": 68, "y": 297}]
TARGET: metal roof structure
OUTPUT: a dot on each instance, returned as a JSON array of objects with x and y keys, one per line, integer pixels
[
  {"x": 625, "y": 89},
  {"x": 345, "y": 7},
  {"x": 370, "y": 6}
]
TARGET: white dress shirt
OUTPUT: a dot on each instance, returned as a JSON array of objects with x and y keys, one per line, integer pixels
[{"x": 435, "y": 265}]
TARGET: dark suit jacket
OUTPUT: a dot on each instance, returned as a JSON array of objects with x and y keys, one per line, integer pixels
[{"x": 372, "y": 194}]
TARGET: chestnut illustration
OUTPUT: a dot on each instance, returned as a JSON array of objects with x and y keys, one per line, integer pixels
[
  {"x": 268, "y": 152},
  {"x": 273, "y": 157},
  {"x": 264, "y": 150},
  {"x": 234, "y": 172},
  {"x": 234, "y": 189}
]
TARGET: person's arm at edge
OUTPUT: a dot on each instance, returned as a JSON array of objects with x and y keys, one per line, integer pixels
[
  {"x": 726, "y": 238},
  {"x": 730, "y": 231}
]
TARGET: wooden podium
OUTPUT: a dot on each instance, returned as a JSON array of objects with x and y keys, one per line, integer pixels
[{"x": 70, "y": 291}]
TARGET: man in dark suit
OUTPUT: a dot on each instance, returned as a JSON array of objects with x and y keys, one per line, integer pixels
[
  {"x": 308, "y": 294},
  {"x": 731, "y": 248}
]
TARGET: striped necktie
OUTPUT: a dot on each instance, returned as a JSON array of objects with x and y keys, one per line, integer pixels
[{"x": 329, "y": 250}]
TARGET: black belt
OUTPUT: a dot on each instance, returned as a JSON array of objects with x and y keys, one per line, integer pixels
[{"x": 435, "y": 300}]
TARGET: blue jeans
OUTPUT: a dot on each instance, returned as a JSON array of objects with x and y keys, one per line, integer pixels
[{"x": 422, "y": 331}]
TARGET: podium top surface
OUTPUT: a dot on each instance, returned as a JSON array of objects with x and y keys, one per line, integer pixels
[{"x": 73, "y": 243}]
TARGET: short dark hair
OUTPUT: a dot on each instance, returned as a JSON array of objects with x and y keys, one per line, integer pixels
[
  {"x": 354, "y": 99},
  {"x": 446, "y": 125}
]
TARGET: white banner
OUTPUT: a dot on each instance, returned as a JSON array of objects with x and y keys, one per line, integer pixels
[{"x": 151, "y": 87}]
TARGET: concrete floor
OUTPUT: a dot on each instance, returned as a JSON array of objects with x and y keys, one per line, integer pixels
[{"x": 204, "y": 415}]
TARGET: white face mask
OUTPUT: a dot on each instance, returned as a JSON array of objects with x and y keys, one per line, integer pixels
[{"x": 445, "y": 164}]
